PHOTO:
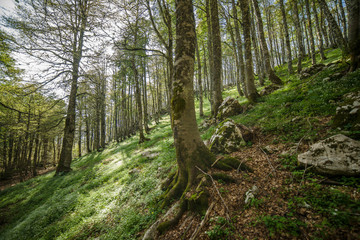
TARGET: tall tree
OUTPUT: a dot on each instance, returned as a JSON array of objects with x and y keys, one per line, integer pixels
[
  {"x": 270, "y": 72},
  {"x": 250, "y": 85},
  {"x": 217, "y": 56},
  {"x": 190, "y": 149},
  {"x": 311, "y": 35},
  {"x": 318, "y": 32},
  {"x": 299, "y": 36},
  {"x": 287, "y": 38}
]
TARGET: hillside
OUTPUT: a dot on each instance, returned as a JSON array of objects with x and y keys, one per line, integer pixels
[{"x": 116, "y": 193}]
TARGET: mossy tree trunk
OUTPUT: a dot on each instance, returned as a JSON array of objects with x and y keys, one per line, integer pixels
[{"x": 190, "y": 149}]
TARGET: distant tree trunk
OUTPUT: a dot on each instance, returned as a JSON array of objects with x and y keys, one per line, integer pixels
[
  {"x": 240, "y": 54},
  {"x": 343, "y": 18},
  {"x": 272, "y": 76},
  {"x": 102, "y": 109},
  {"x": 311, "y": 35},
  {"x": 299, "y": 35},
  {"x": 287, "y": 38},
  {"x": 217, "y": 57},
  {"x": 334, "y": 27},
  {"x": 79, "y": 132},
  {"x": 353, "y": 7},
  {"x": 323, "y": 28},
  {"x": 201, "y": 111},
  {"x": 250, "y": 85},
  {"x": 45, "y": 154},
  {"x": 318, "y": 32},
  {"x": 259, "y": 67},
  {"x": 87, "y": 125},
  {"x": 145, "y": 99}
]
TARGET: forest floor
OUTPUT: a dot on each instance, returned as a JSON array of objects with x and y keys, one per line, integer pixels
[{"x": 116, "y": 193}]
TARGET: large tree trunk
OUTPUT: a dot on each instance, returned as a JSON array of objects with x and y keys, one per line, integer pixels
[
  {"x": 271, "y": 74},
  {"x": 191, "y": 152},
  {"x": 250, "y": 85},
  {"x": 287, "y": 38},
  {"x": 353, "y": 7},
  {"x": 217, "y": 56}
]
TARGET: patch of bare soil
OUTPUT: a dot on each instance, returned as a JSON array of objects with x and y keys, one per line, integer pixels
[{"x": 276, "y": 186}]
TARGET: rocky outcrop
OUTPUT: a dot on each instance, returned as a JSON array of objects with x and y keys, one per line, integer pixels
[
  {"x": 334, "y": 156},
  {"x": 229, "y": 107},
  {"x": 307, "y": 72},
  {"x": 229, "y": 137},
  {"x": 348, "y": 113},
  {"x": 269, "y": 89}
]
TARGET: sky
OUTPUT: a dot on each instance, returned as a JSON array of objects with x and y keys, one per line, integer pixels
[{"x": 6, "y": 5}]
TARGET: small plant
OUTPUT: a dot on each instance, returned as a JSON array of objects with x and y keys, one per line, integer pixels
[
  {"x": 221, "y": 230},
  {"x": 254, "y": 202},
  {"x": 279, "y": 224}
]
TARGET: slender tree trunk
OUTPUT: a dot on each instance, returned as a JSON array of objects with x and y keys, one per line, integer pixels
[
  {"x": 250, "y": 79},
  {"x": 318, "y": 32},
  {"x": 69, "y": 130},
  {"x": 259, "y": 68},
  {"x": 216, "y": 58},
  {"x": 311, "y": 35},
  {"x": 272, "y": 76},
  {"x": 240, "y": 50},
  {"x": 287, "y": 38},
  {"x": 201, "y": 111},
  {"x": 79, "y": 133},
  {"x": 343, "y": 18}
]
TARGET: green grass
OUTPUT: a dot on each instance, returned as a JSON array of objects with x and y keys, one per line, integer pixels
[{"x": 102, "y": 198}]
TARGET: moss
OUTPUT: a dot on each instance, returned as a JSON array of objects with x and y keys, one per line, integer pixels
[
  {"x": 223, "y": 166},
  {"x": 224, "y": 177},
  {"x": 199, "y": 202},
  {"x": 228, "y": 163},
  {"x": 178, "y": 106}
]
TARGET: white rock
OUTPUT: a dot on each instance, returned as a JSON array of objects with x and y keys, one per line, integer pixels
[{"x": 335, "y": 156}]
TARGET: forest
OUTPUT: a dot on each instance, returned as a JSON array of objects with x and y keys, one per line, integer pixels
[{"x": 185, "y": 119}]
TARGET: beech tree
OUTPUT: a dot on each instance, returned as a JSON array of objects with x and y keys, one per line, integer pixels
[{"x": 353, "y": 7}]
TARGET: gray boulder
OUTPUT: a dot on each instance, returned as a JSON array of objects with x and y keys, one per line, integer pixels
[
  {"x": 348, "y": 113},
  {"x": 269, "y": 89},
  {"x": 229, "y": 107},
  {"x": 335, "y": 156},
  {"x": 307, "y": 72},
  {"x": 229, "y": 137}
]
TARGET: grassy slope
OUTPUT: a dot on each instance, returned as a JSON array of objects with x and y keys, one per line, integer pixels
[{"x": 103, "y": 198}]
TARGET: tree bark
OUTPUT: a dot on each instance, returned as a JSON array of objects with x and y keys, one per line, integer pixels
[
  {"x": 217, "y": 57},
  {"x": 353, "y": 7}
]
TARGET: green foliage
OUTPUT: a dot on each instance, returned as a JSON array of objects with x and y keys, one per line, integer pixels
[
  {"x": 279, "y": 224},
  {"x": 99, "y": 197},
  {"x": 222, "y": 229}
]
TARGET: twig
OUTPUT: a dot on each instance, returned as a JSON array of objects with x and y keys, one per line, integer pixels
[
  {"x": 218, "y": 192},
  {"x": 298, "y": 144},
  {"x": 238, "y": 168},
  {"x": 303, "y": 176},
  {"x": 194, "y": 235},
  {"x": 267, "y": 157},
  {"x": 188, "y": 227},
  {"x": 216, "y": 161}
]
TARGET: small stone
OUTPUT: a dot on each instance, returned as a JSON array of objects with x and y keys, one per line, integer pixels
[
  {"x": 354, "y": 111},
  {"x": 251, "y": 194}
]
